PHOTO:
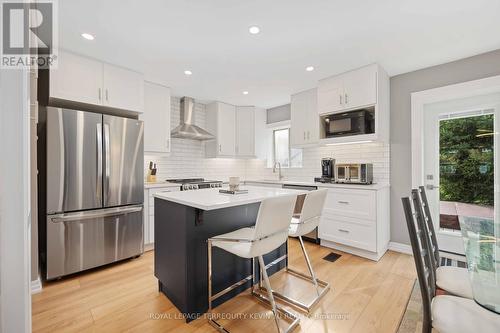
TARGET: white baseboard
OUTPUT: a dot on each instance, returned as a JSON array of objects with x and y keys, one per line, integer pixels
[
  {"x": 352, "y": 250},
  {"x": 400, "y": 247},
  {"x": 36, "y": 286}
]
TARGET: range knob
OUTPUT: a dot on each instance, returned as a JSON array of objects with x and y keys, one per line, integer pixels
[{"x": 195, "y": 186}]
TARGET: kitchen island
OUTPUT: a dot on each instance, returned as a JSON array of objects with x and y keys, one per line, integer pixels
[{"x": 183, "y": 222}]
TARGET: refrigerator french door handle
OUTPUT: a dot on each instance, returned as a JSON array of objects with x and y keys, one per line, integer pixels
[
  {"x": 99, "y": 161},
  {"x": 107, "y": 166},
  {"x": 88, "y": 215}
]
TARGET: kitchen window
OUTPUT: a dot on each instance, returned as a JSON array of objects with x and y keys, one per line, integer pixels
[{"x": 282, "y": 152}]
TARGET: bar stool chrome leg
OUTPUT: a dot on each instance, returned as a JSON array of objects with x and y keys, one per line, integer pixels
[
  {"x": 269, "y": 291},
  {"x": 322, "y": 287},
  {"x": 276, "y": 309},
  {"x": 309, "y": 266}
]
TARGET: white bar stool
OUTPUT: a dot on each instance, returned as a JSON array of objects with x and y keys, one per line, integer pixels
[
  {"x": 269, "y": 233},
  {"x": 307, "y": 221}
]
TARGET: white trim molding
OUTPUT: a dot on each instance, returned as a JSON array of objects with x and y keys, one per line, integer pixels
[
  {"x": 419, "y": 99},
  {"x": 36, "y": 286},
  {"x": 400, "y": 247}
]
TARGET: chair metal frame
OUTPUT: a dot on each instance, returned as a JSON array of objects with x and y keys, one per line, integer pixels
[
  {"x": 427, "y": 216},
  {"x": 322, "y": 287},
  {"x": 422, "y": 256},
  {"x": 269, "y": 300}
]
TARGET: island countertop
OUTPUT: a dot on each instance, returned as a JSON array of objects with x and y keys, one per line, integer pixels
[{"x": 210, "y": 199}]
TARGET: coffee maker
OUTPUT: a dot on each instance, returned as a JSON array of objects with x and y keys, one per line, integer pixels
[{"x": 327, "y": 171}]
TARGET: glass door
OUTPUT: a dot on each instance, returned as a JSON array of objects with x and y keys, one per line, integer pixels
[{"x": 459, "y": 163}]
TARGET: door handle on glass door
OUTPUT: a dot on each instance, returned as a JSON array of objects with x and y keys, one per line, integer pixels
[{"x": 431, "y": 187}]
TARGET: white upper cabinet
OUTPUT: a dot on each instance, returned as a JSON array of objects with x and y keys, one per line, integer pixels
[
  {"x": 363, "y": 88},
  {"x": 226, "y": 132},
  {"x": 156, "y": 118},
  {"x": 77, "y": 79},
  {"x": 348, "y": 91},
  {"x": 123, "y": 88},
  {"x": 85, "y": 80},
  {"x": 331, "y": 95},
  {"x": 245, "y": 131},
  {"x": 360, "y": 87},
  {"x": 233, "y": 128},
  {"x": 221, "y": 122},
  {"x": 304, "y": 129}
]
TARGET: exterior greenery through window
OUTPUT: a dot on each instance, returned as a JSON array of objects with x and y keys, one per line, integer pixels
[
  {"x": 466, "y": 160},
  {"x": 282, "y": 152}
]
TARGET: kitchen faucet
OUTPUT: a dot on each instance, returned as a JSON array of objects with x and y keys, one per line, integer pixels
[{"x": 280, "y": 176}]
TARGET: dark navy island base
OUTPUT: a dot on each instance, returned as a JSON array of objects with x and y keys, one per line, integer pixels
[{"x": 181, "y": 234}]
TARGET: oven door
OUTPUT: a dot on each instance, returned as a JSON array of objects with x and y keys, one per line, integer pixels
[
  {"x": 341, "y": 174},
  {"x": 355, "y": 173}
]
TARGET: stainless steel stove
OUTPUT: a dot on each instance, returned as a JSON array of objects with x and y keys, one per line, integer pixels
[{"x": 195, "y": 183}]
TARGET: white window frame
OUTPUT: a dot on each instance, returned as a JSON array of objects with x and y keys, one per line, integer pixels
[{"x": 271, "y": 128}]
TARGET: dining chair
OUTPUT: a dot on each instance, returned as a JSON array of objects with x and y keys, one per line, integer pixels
[
  {"x": 302, "y": 224},
  {"x": 269, "y": 233},
  {"x": 445, "y": 313},
  {"x": 453, "y": 280}
]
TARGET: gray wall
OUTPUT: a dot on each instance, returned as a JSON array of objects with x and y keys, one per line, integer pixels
[{"x": 473, "y": 68}]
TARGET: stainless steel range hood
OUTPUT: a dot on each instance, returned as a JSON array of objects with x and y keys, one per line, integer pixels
[{"x": 186, "y": 129}]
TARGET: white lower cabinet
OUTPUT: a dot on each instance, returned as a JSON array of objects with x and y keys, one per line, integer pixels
[
  {"x": 149, "y": 213},
  {"x": 356, "y": 221}
]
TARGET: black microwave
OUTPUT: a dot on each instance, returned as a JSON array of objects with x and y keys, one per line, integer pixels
[{"x": 349, "y": 123}]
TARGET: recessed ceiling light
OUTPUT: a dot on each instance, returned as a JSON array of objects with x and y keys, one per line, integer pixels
[
  {"x": 188, "y": 72},
  {"x": 309, "y": 68},
  {"x": 245, "y": 92},
  {"x": 87, "y": 36},
  {"x": 254, "y": 30}
]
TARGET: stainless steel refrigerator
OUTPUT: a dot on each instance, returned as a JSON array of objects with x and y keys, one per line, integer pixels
[{"x": 95, "y": 190}]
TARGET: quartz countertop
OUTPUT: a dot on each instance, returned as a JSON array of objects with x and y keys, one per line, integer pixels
[
  {"x": 210, "y": 199},
  {"x": 376, "y": 186}
]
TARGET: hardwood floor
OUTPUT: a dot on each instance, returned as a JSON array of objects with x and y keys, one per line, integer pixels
[{"x": 366, "y": 296}]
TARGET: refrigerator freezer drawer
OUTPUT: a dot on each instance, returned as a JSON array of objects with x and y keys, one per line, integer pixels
[{"x": 83, "y": 240}]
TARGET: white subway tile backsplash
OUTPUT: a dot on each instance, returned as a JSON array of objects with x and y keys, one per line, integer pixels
[{"x": 187, "y": 158}]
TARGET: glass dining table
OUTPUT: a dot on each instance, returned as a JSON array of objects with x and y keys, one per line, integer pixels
[{"x": 482, "y": 249}]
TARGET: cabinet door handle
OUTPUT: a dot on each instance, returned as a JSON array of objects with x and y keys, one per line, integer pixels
[
  {"x": 168, "y": 143},
  {"x": 308, "y": 135},
  {"x": 344, "y": 202},
  {"x": 107, "y": 99},
  {"x": 304, "y": 135},
  {"x": 346, "y": 99},
  {"x": 340, "y": 99},
  {"x": 99, "y": 92},
  {"x": 220, "y": 147},
  {"x": 343, "y": 230}
]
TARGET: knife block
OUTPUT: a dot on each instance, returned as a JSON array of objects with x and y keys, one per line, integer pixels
[{"x": 151, "y": 179}]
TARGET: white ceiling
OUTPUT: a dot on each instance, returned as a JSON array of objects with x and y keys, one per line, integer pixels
[{"x": 162, "y": 38}]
